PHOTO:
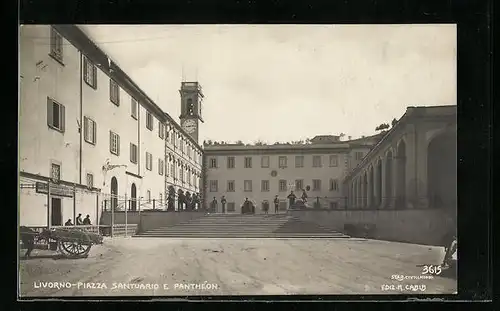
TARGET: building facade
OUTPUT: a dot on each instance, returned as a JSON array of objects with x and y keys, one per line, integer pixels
[
  {"x": 413, "y": 166},
  {"x": 259, "y": 173},
  {"x": 88, "y": 128}
]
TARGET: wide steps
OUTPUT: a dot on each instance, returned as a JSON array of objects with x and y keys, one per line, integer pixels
[{"x": 243, "y": 226}]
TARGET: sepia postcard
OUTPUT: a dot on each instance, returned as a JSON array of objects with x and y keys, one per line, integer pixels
[{"x": 210, "y": 160}]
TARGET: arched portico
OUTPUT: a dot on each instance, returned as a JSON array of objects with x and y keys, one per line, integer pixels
[{"x": 442, "y": 170}]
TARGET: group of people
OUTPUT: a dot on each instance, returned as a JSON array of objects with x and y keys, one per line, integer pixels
[
  {"x": 291, "y": 200},
  {"x": 185, "y": 201},
  {"x": 79, "y": 221}
]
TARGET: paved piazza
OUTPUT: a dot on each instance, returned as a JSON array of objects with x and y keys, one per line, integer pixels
[{"x": 164, "y": 267}]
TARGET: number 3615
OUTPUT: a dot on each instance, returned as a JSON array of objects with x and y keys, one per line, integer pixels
[{"x": 431, "y": 269}]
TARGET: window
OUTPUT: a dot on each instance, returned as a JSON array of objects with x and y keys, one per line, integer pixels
[
  {"x": 149, "y": 196},
  {"x": 247, "y": 185},
  {"x": 299, "y": 161},
  {"x": 282, "y": 185},
  {"x": 181, "y": 143},
  {"x": 55, "y": 172},
  {"x": 133, "y": 153},
  {"x": 55, "y": 115},
  {"x": 149, "y": 161},
  {"x": 172, "y": 170},
  {"x": 230, "y": 186},
  {"x": 114, "y": 92},
  {"x": 134, "y": 105},
  {"x": 181, "y": 173},
  {"x": 161, "y": 166},
  {"x": 334, "y": 160},
  {"x": 282, "y": 161},
  {"x": 359, "y": 155},
  {"x": 316, "y": 184},
  {"x": 161, "y": 130},
  {"x": 316, "y": 161},
  {"x": 231, "y": 207},
  {"x": 89, "y": 73},
  {"x": 173, "y": 138},
  {"x": 56, "y": 45},
  {"x": 248, "y": 162},
  {"x": 264, "y": 161},
  {"x": 265, "y": 185},
  {"x": 160, "y": 198},
  {"x": 90, "y": 180},
  {"x": 189, "y": 151},
  {"x": 213, "y": 163},
  {"x": 149, "y": 121},
  {"x": 334, "y": 205},
  {"x": 230, "y": 162},
  {"x": 114, "y": 143},
  {"x": 214, "y": 185},
  {"x": 89, "y": 130},
  {"x": 299, "y": 184},
  {"x": 334, "y": 185}
]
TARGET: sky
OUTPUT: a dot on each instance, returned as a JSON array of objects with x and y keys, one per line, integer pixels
[{"x": 288, "y": 82}]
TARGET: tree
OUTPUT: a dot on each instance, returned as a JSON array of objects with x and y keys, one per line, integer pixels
[
  {"x": 239, "y": 142},
  {"x": 259, "y": 143},
  {"x": 382, "y": 126},
  {"x": 308, "y": 140}
]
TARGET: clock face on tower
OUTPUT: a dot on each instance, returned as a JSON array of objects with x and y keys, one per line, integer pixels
[{"x": 189, "y": 126}]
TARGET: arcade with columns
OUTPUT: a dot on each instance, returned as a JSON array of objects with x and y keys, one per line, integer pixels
[{"x": 413, "y": 166}]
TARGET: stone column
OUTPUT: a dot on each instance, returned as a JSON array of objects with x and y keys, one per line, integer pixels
[
  {"x": 411, "y": 182},
  {"x": 383, "y": 199},
  {"x": 369, "y": 185},
  {"x": 363, "y": 191},
  {"x": 421, "y": 152},
  {"x": 391, "y": 193},
  {"x": 376, "y": 186}
]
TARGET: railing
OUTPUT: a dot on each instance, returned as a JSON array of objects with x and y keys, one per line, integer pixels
[{"x": 105, "y": 230}]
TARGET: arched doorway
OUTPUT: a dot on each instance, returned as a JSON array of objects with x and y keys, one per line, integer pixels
[
  {"x": 401, "y": 175},
  {"x": 378, "y": 182},
  {"x": 133, "y": 197},
  {"x": 114, "y": 193},
  {"x": 388, "y": 195},
  {"x": 442, "y": 170}
]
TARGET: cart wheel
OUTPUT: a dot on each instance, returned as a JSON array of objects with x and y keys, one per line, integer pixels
[{"x": 74, "y": 248}]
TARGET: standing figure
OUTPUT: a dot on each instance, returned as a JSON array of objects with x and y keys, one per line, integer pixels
[
  {"x": 86, "y": 221},
  {"x": 214, "y": 205},
  {"x": 68, "y": 223},
  {"x": 304, "y": 196},
  {"x": 79, "y": 220},
  {"x": 291, "y": 199},
  {"x": 276, "y": 204},
  {"x": 223, "y": 203}
]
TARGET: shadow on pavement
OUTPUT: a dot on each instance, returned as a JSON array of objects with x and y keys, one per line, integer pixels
[{"x": 54, "y": 257}]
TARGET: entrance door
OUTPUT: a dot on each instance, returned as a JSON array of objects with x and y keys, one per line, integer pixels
[
  {"x": 56, "y": 219},
  {"x": 114, "y": 193},
  {"x": 133, "y": 202}
]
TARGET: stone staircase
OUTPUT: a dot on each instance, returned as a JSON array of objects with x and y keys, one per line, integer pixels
[{"x": 243, "y": 226}]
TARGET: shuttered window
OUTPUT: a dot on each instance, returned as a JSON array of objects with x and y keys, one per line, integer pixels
[{"x": 55, "y": 115}]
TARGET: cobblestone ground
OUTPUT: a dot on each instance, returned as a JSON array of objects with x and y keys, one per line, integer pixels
[{"x": 165, "y": 267}]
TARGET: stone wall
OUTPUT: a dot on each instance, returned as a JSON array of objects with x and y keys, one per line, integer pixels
[
  {"x": 150, "y": 220},
  {"x": 423, "y": 226}
]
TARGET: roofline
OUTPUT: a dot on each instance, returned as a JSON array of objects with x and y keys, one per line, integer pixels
[
  {"x": 409, "y": 114},
  {"x": 83, "y": 43}
]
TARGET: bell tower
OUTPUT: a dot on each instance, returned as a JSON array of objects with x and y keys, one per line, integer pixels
[{"x": 191, "y": 107}]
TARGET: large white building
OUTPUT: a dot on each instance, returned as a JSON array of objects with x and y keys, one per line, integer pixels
[
  {"x": 85, "y": 125},
  {"x": 260, "y": 172}
]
